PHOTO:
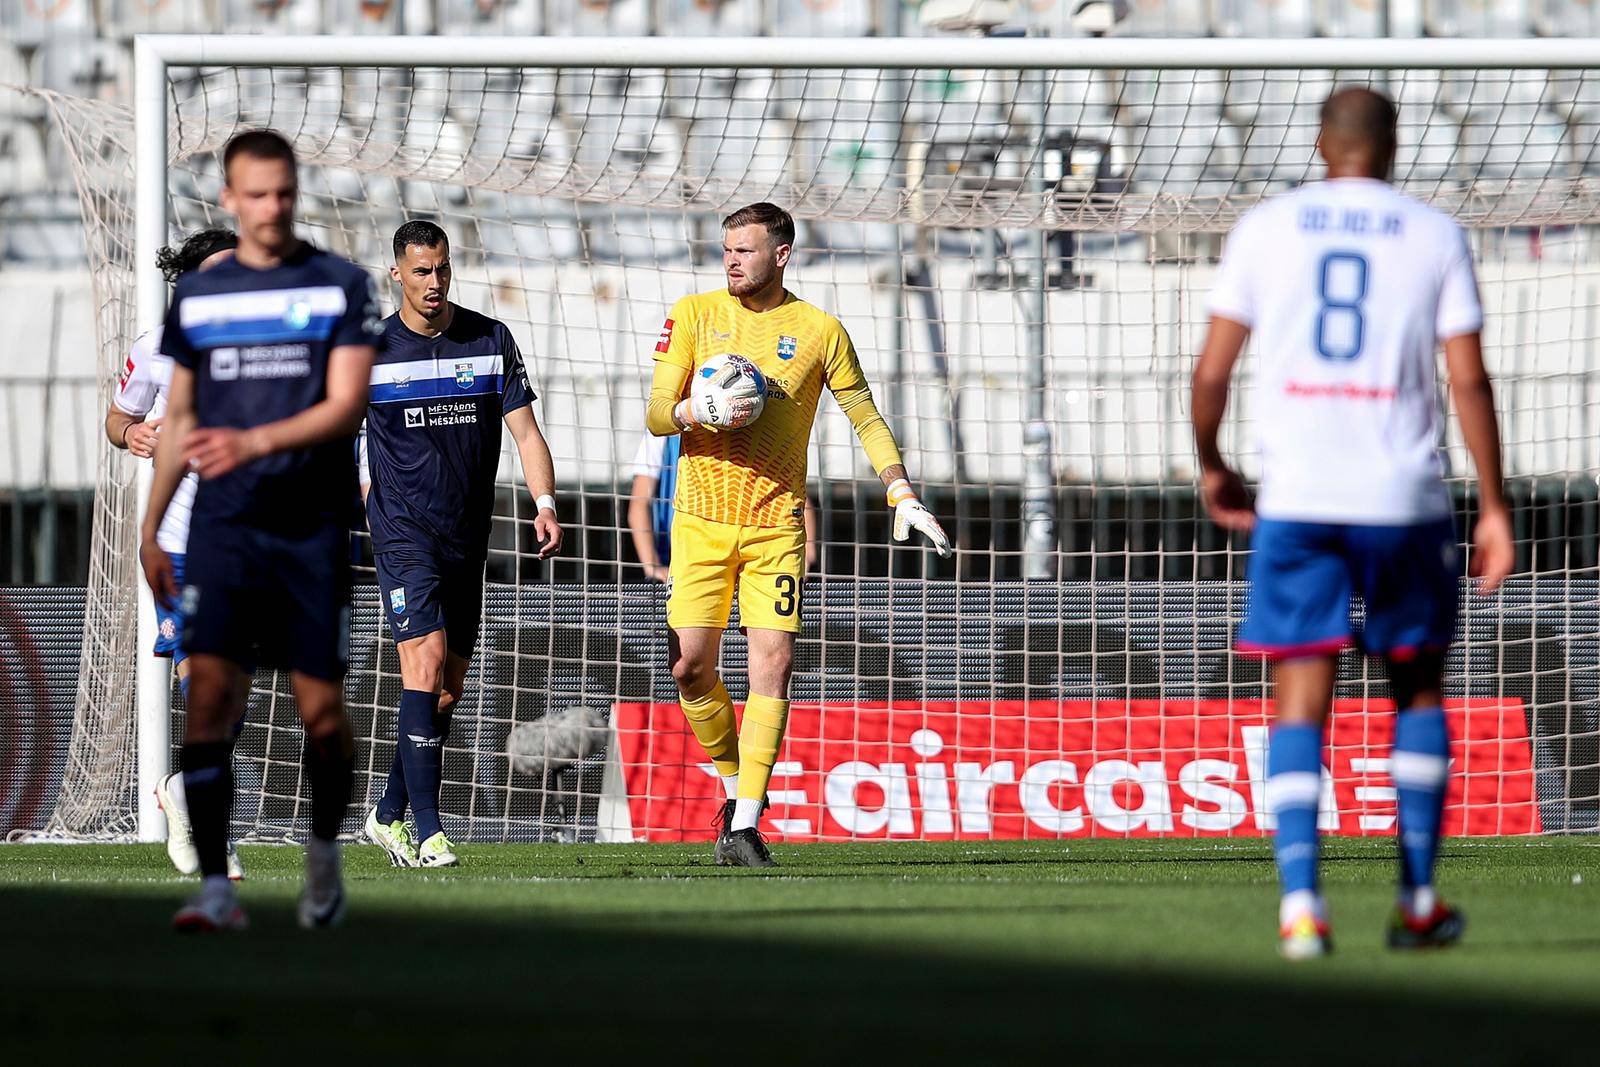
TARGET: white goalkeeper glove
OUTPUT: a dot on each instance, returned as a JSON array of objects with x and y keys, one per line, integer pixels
[
  {"x": 909, "y": 514},
  {"x": 732, "y": 400}
]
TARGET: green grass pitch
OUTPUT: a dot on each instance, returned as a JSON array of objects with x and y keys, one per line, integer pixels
[{"x": 1087, "y": 951}]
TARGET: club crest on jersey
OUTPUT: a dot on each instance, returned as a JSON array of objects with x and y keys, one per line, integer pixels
[
  {"x": 786, "y": 347},
  {"x": 298, "y": 315},
  {"x": 397, "y": 601},
  {"x": 169, "y": 629},
  {"x": 464, "y": 376}
]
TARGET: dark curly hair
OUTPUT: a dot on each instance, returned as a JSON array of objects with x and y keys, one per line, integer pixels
[{"x": 195, "y": 250}]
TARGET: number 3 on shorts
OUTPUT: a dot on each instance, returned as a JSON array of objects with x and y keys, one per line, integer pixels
[{"x": 786, "y": 595}]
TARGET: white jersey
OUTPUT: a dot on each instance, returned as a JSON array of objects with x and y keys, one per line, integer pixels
[
  {"x": 1348, "y": 287},
  {"x": 142, "y": 391}
]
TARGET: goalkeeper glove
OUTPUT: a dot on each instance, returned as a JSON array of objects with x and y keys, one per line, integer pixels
[{"x": 909, "y": 514}]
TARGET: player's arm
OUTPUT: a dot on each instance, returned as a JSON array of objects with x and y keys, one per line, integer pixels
[
  {"x": 849, "y": 386},
  {"x": 169, "y": 472},
  {"x": 641, "y": 506},
  {"x": 539, "y": 470},
  {"x": 538, "y": 466},
  {"x": 1493, "y": 549},
  {"x": 668, "y": 410},
  {"x": 126, "y": 424},
  {"x": 216, "y": 450},
  {"x": 810, "y": 519},
  {"x": 1226, "y": 499}
]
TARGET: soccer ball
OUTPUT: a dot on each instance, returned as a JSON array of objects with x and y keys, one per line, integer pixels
[{"x": 732, "y": 389}]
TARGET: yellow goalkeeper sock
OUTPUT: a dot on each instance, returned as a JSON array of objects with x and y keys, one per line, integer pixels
[
  {"x": 759, "y": 737},
  {"x": 711, "y": 718}
]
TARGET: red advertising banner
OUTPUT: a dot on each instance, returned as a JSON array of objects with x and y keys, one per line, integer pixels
[{"x": 1071, "y": 768}]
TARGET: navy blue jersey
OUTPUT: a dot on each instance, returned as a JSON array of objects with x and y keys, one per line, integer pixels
[
  {"x": 258, "y": 344},
  {"x": 433, "y": 433}
]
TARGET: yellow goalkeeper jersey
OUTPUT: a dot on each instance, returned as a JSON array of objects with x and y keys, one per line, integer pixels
[{"x": 756, "y": 476}]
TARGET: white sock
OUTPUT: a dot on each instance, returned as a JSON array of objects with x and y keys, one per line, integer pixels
[
  {"x": 730, "y": 785},
  {"x": 1300, "y": 902},
  {"x": 175, "y": 790},
  {"x": 216, "y": 883},
  {"x": 746, "y": 813},
  {"x": 1419, "y": 901}
]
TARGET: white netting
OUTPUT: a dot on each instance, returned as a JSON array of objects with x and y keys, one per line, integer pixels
[{"x": 1021, "y": 258}]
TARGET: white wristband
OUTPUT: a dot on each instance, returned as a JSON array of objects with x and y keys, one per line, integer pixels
[{"x": 545, "y": 503}]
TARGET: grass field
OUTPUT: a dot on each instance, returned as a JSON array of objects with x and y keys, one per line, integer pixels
[{"x": 1127, "y": 952}]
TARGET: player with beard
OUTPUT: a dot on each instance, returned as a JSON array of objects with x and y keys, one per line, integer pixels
[{"x": 738, "y": 522}]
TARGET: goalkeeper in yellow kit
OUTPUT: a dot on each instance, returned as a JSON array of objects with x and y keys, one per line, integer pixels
[{"x": 740, "y": 502}]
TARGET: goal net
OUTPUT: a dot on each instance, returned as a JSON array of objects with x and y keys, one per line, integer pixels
[{"x": 1022, "y": 258}]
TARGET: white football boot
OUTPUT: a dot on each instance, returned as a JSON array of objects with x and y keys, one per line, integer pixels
[
  {"x": 322, "y": 899},
  {"x": 215, "y": 909},
  {"x": 180, "y": 838}
]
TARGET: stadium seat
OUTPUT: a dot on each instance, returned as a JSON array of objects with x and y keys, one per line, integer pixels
[
  {"x": 80, "y": 65},
  {"x": 1476, "y": 18},
  {"x": 22, "y": 159},
  {"x": 1167, "y": 18},
  {"x": 1505, "y": 130},
  {"x": 710, "y": 18},
  {"x": 1275, "y": 114},
  {"x": 1565, "y": 18},
  {"x": 822, "y": 18},
  {"x": 594, "y": 18},
  {"x": 1262, "y": 18},
  {"x": 362, "y": 17},
  {"x": 26, "y": 25},
  {"x": 14, "y": 72},
  {"x": 273, "y": 16},
  {"x": 120, "y": 20},
  {"x": 490, "y": 17}
]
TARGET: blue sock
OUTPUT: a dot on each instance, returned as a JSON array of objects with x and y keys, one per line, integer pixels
[
  {"x": 392, "y": 803},
  {"x": 422, "y": 755},
  {"x": 208, "y": 787},
  {"x": 1420, "y": 767},
  {"x": 1294, "y": 782}
]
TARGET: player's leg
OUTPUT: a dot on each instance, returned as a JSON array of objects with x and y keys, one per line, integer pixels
[
  {"x": 314, "y": 577},
  {"x": 421, "y": 741},
  {"x": 769, "y": 607},
  {"x": 1299, "y": 615},
  {"x": 217, "y": 691},
  {"x": 1294, "y": 784},
  {"x": 1409, "y": 577},
  {"x": 703, "y": 572},
  {"x": 330, "y": 769}
]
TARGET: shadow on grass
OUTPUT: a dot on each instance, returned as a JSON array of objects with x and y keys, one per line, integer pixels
[{"x": 93, "y": 975}]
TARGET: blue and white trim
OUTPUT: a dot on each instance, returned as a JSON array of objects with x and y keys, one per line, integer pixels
[
  {"x": 437, "y": 379},
  {"x": 263, "y": 316}
]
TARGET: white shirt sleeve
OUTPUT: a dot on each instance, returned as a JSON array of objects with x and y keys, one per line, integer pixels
[
  {"x": 362, "y": 471},
  {"x": 1460, "y": 310},
  {"x": 136, "y": 388},
  {"x": 1234, "y": 294},
  {"x": 650, "y": 457}
]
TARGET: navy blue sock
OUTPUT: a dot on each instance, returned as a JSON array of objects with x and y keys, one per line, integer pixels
[
  {"x": 422, "y": 753},
  {"x": 208, "y": 787},
  {"x": 1294, "y": 783},
  {"x": 331, "y": 769},
  {"x": 392, "y": 802},
  {"x": 1420, "y": 767}
]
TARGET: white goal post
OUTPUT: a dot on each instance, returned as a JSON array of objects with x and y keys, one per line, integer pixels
[{"x": 1040, "y": 200}]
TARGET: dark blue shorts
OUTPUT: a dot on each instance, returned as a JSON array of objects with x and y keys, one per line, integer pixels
[
  {"x": 169, "y": 623},
  {"x": 422, "y": 591},
  {"x": 1302, "y": 575},
  {"x": 269, "y": 600}
]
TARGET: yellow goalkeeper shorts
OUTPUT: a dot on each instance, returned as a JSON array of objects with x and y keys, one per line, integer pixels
[{"x": 710, "y": 558}]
